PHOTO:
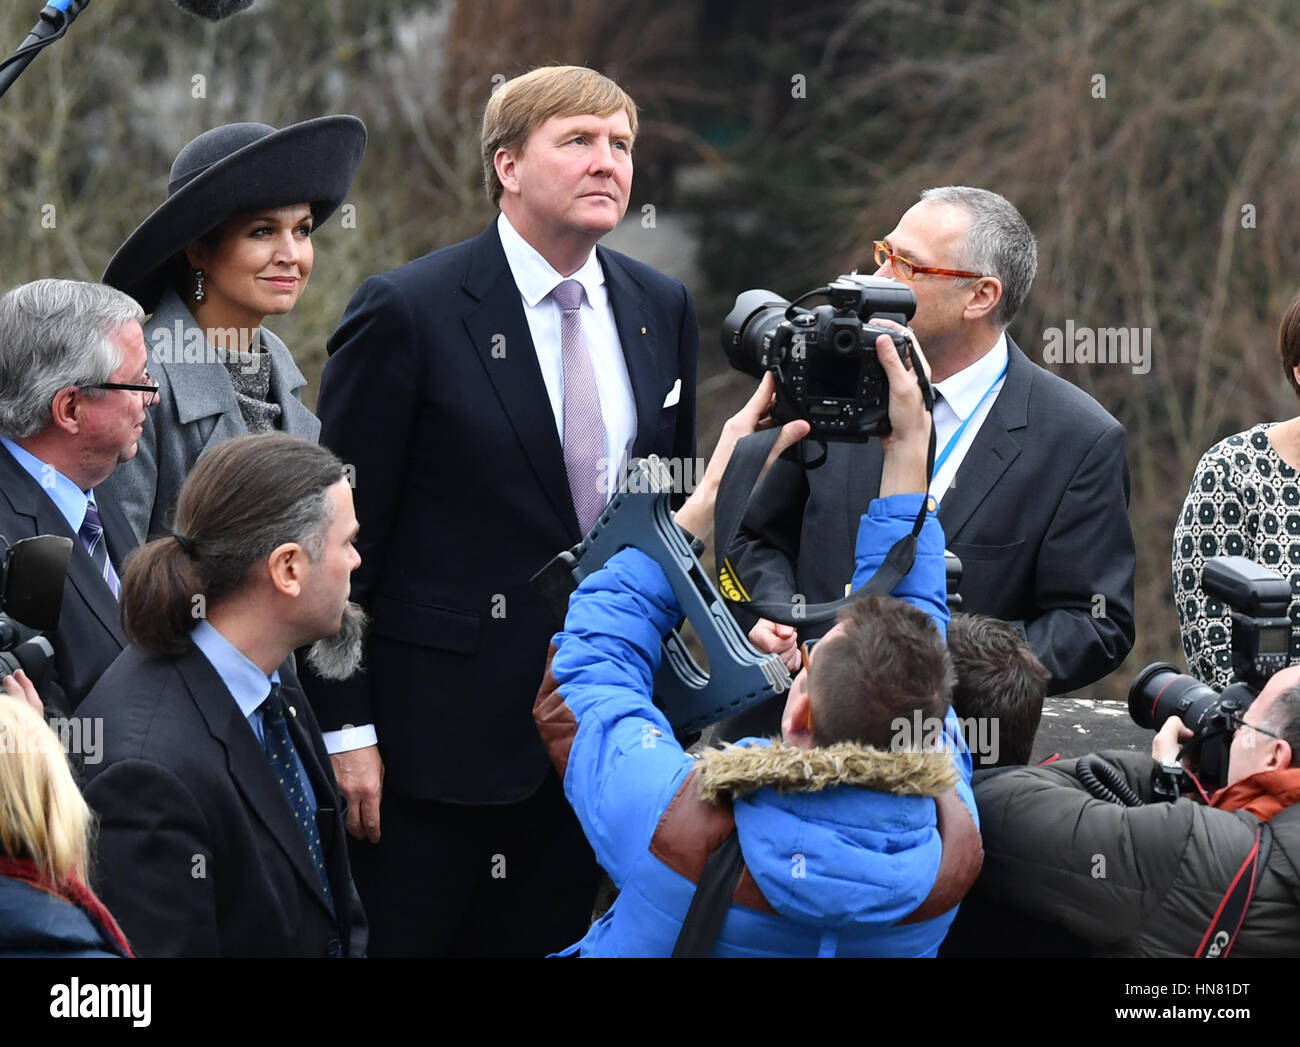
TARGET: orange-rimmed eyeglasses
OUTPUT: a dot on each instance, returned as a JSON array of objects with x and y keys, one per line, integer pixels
[
  {"x": 905, "y": 269},
  {"x": 806, "y": 649}
]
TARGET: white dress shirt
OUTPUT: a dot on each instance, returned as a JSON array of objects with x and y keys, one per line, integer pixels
[
  {"x": 961, "y": 396},
  {"x": 536, "y": 280}
]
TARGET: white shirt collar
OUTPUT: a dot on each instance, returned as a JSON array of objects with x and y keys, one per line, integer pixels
[
  {"x": 534, "y": 275},
  {"x": 964, "y": 390}
]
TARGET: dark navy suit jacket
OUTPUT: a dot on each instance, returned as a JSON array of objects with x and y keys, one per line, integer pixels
[
  {"x": 433, "y": 394},
  {"x": 89, "y": 635},
  {"x": 198, "y": 853}
]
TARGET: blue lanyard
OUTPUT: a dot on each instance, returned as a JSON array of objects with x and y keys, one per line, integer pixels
[{"x": 952, "y": 440}]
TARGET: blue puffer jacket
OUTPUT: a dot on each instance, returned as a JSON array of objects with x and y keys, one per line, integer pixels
[
  {"x": 34, "y": 922},
  {"x": 828, "y": 872}
]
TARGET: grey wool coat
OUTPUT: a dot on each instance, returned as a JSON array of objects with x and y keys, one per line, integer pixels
[{"x": 196, "y": 411}]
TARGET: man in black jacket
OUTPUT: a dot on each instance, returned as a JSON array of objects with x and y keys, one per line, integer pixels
[
  {"x": 486, "y": 395},
  {"x": 73, "y": 395},
  {"x": 1030, "y": 474},
  {"x": 221, "y": 832},
  {"x": 1154, "y": 880}
]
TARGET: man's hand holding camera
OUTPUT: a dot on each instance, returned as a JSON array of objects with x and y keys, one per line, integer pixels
[
  {"x": 1169, "y": 740},
  {"x": 907, "y": 446},
  {"x": 904, "y": 471}
]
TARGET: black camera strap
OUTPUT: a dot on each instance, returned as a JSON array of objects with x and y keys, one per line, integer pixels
[
  {"x": 711, "y": 900},
  {"x": 734, "y": 491},
  {"x": 1228, "y": 918}
]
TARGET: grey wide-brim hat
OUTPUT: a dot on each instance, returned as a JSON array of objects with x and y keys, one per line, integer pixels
[{"x": 227, "y": 171}]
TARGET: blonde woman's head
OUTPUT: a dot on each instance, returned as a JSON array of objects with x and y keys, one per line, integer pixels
[{"x": 42, "y": 814}]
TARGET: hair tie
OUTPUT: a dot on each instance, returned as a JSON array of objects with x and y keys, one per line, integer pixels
[{"x": 187, "y": 545}]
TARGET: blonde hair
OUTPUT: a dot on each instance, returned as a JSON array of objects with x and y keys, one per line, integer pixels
[
  {"x": 42, "y": 814},
  {"x": 520, "y": 105}
]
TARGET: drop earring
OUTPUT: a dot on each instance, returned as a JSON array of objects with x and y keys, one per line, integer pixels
[{"x": 198, "y": 285}]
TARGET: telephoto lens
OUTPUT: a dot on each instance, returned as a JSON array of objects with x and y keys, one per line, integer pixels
[{"x": 1161, "y": 691}]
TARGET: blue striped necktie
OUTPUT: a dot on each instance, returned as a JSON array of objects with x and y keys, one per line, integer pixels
[
  {"x": 92, "y": 537},
  {"x": 281, "y": 753}
]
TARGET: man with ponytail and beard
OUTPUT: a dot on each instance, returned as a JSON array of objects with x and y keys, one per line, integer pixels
[{"x": 221, "y": 826}]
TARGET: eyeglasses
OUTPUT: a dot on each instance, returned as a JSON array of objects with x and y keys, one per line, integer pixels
[
  {"x": 1237, "y": 718},
  {"x": 806, "y": 649},
  {"x": 905, "y": 270},
  {"x": 151, "y": 388}
]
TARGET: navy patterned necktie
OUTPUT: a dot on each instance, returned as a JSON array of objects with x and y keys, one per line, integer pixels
[
  {"x": 92, "y": 537},
  {"x": 280, "y": 751}
]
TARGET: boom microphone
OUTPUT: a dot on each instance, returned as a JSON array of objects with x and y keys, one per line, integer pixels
[
  {"x": 213, "y": 10},
  {"x": 56, "y": 16}
]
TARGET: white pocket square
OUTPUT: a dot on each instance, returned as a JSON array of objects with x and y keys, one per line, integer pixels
[{"x": 674, "y": 394}]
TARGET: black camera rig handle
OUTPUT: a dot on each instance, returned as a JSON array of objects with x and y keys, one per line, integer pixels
[{"x": 639, "y": 515}]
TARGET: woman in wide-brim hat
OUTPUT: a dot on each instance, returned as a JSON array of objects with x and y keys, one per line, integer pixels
[{"x": 230, "y": 246}]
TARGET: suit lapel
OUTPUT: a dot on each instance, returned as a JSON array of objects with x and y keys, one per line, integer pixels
[
  {"x": 993, "y": 449},
  {"x": 27, "y": 499},
  {"x": 991, "y": 452},
  {"x": 639, "y": 338},
  {"x": 865, "y": 464},
  {"x": 118, "y": 536},
  {"x": 248, "y": 765},
  {"x": 499, "y": 332}
]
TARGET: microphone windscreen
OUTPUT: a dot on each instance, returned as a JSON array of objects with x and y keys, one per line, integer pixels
[{"x": 213, "y": 10}]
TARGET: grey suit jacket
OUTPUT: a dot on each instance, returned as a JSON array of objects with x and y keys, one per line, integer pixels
[{"x": 197, "y": 410}]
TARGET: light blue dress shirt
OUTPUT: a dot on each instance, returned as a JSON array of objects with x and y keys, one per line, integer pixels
[
  {"x": 248, "y": 685},
  {"x": 70, "y": 499}
]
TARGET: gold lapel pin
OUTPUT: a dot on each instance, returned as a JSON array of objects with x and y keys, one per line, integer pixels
[{"x": 643, "y": 330}]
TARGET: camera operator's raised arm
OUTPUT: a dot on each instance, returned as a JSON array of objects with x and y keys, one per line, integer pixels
[
  {"x": 696, "y": 515},
  {"x": 907, "y": 445}
]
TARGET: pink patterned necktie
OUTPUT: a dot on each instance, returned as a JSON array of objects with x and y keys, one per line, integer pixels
[{"x": 584, "y": 428}]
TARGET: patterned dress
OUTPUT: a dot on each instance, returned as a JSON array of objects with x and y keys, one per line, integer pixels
[{"x": 1244, "y": 501}]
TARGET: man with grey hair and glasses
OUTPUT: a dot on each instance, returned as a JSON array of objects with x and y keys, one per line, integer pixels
[
  {"x": 74, "y": 390},
  {"x": 1030, "y": 472}
]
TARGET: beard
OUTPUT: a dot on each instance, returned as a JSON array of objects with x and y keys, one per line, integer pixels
[{"x": 339, "y": 656}]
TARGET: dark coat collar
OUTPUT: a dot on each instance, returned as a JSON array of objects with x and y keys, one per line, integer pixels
[
  {"x": 247, "y": 761},
  {"x": 995, "y": 447},
  {"x": 26, "y": 499},
  {"x": 496, "y": 323}
]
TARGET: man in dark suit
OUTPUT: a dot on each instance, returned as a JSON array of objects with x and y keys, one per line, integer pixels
[
  {"x": 1031, "y": 474},
  {"x": 220, "y": 826},
  {"x": 73, "y": 396},
  {"x": 487, "y": 395}
]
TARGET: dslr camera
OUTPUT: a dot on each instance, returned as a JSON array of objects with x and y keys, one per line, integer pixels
[
  {"x": 1259, "y": 600},
  {"x": 31, "y": 595},
  {"x": 823, "y": 359}
]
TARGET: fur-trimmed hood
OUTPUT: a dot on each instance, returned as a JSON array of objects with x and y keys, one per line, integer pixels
[
  {"x": 845, "y": 836},
  {"x": 736, "y": 771}
]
